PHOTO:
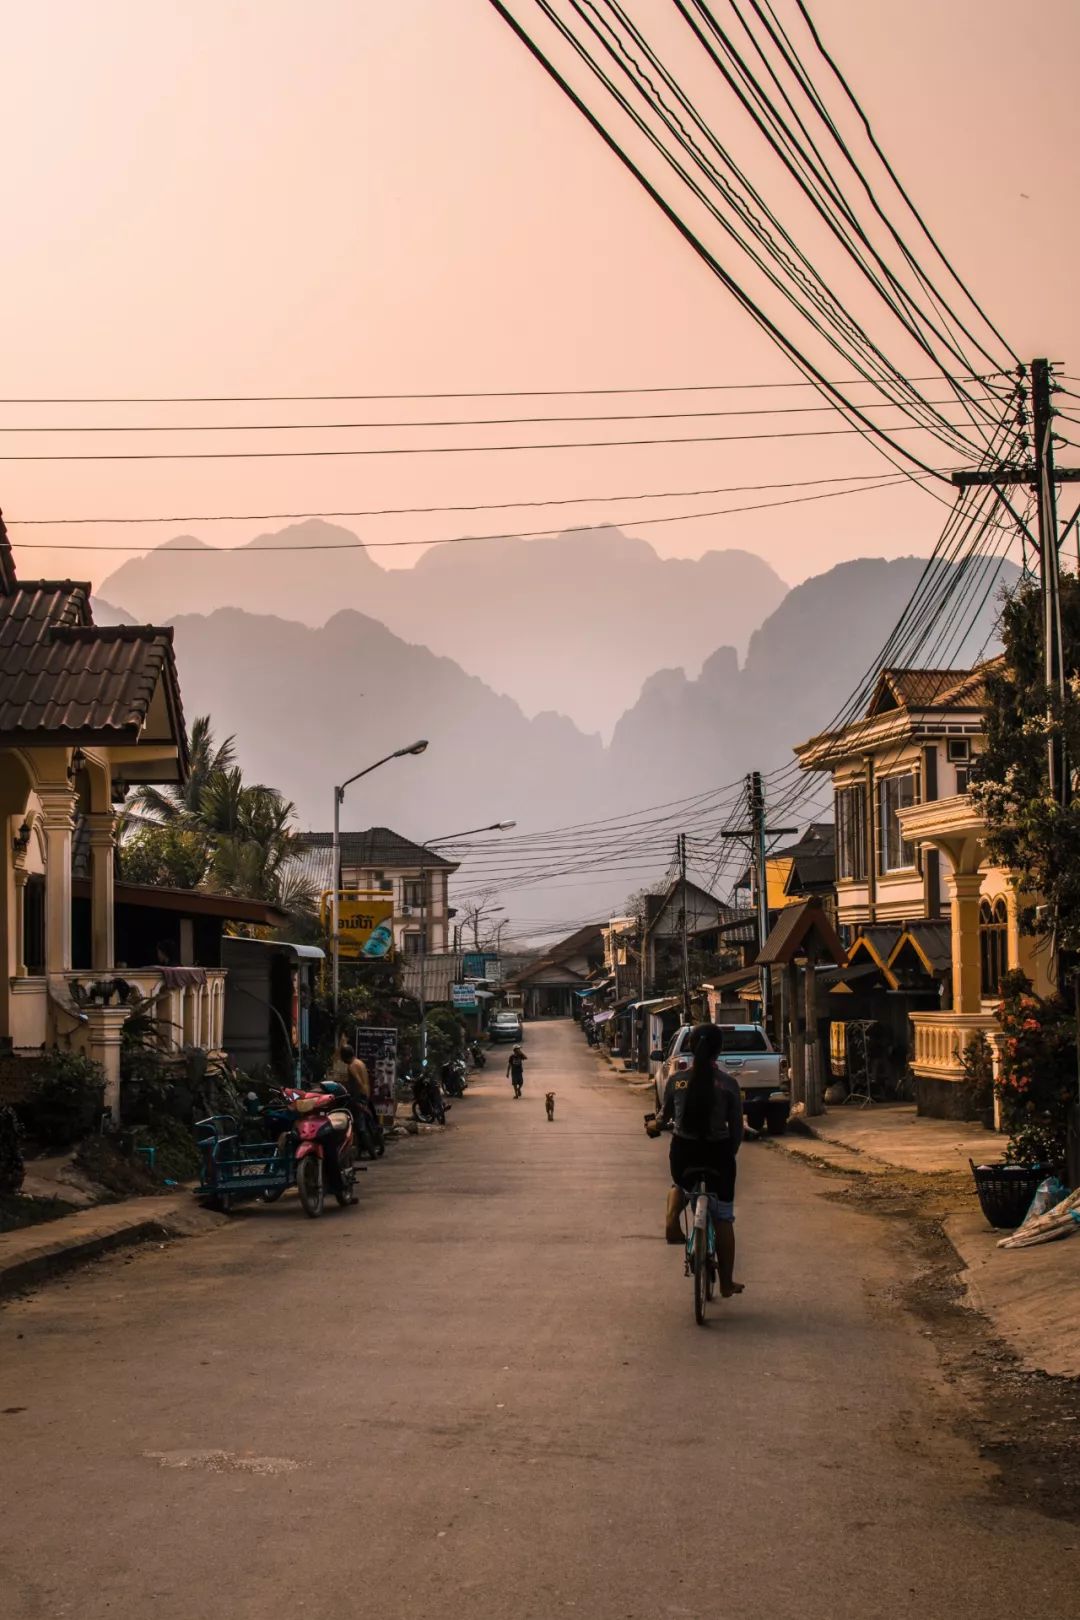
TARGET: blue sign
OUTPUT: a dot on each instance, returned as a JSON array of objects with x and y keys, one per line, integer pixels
[{"x": 474, "y": 966}]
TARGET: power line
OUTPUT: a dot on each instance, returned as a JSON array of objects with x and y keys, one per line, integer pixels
[
  {"x": 505, "y": 393},
  {"x": 460, "y": 449},
  {"x": 456, "y": 539},
  {"x": 483, "y": 506},
  {"x": 441, "y": 422}
]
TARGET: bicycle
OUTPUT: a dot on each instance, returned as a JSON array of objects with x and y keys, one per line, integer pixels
[{"x": 700, "y": 1259}]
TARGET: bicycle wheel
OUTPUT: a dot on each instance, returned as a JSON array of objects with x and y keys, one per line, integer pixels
[
  {"x": 701, "y": 1274},
  {"x": 712, "y": 1265}
]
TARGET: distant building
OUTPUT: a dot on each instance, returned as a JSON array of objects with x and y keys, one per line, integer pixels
[{"x": 414, "y": 877}]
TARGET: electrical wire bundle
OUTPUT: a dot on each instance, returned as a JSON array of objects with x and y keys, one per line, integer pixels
[{"x": 620, "y": 81}]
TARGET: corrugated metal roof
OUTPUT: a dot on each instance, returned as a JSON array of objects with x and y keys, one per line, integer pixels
[{"x": 63, "y": 675}]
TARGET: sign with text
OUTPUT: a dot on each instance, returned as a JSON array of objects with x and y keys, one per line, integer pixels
[
  {"x": 365, "y": 923},
  {"x": 481, "y": 966},
  {"x": 463, "y": 997},
  {"x": 377, "y": 1049}
]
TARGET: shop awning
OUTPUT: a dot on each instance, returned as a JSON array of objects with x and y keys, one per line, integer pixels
[{"x": 602, "y": 1017}]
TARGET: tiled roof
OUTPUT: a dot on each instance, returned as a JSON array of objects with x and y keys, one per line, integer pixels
[
  {"x": 63, "y": 675},
  {"x": 577, "y": 943},
  {"x": 791, "y": 929},
  {"x": 932, "y": 688},
  {"x": 379, "y": 847}
]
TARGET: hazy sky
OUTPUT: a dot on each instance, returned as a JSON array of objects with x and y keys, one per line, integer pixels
[{"x": 387, "y": 195}]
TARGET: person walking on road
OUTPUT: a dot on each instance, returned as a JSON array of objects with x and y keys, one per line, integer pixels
[
  {"x": 515, "y": 1068},
  {"x": 705, "y": 1110}
]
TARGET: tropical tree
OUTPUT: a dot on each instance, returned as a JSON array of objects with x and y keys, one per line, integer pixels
[
  {"x": 208, "y": 760},
  {"x": 217, "y": 831}
]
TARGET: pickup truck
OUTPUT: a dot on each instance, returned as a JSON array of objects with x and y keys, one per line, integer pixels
[{"x": 750, "y": 1056}]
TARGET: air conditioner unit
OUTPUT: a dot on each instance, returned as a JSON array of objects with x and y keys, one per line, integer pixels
[{"x": 406, "y": 911}]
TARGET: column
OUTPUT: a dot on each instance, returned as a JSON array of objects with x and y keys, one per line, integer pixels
[
  {"x": 102, "y": 877},
  {"x": 58, "y": 817},
  {"x": 964, "y": 893}
]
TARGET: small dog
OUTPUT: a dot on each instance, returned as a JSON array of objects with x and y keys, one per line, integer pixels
[{"x": 549, "y": 1104}]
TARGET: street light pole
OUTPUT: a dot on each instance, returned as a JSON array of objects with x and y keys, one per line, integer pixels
[{"x": 335, "y": 874}]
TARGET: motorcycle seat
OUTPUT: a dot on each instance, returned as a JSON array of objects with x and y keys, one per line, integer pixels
[{"x": 340, "y": 1119}]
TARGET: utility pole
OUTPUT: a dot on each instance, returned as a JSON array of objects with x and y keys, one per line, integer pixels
[
  {"x": 757, "y": 834},
  {"x": 1043, "y": 477},
  {"x": 684, "y": 929}
]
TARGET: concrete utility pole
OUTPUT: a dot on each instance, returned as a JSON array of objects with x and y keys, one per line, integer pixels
[
  {"x": 1043, "y": 477},
  {"x": 758, "y": 833},
  {"x": 684, "y": 929}
]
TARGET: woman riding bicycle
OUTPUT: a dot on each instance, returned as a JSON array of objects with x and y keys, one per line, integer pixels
[{"x": 704, "y": 1108}]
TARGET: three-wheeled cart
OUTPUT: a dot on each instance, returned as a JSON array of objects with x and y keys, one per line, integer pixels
[{"x": 232, "y": 1169}]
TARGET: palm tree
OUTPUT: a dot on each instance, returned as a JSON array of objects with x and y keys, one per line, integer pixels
[{"x": 208, "y": 759}]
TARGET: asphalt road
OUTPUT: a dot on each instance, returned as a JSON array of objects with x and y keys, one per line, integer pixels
[{"x": 482, "y": 1394}]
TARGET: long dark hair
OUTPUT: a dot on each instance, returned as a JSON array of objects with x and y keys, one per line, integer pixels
[{"x": 707, "y": 1043}]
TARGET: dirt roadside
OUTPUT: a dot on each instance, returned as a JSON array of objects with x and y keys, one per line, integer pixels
[{"x": 1025, "y": 1423}]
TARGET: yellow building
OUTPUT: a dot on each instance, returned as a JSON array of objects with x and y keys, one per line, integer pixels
[{"x": 911, "y": 857}]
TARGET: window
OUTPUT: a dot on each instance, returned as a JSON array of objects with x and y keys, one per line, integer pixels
[
  {"x": 412, "y": 892},
  {"x": 414, "y": 944},
  {"x": 851, "y": 832},
  {"x": 958, "y": 750},
  {"x": 963, "y": 777},
  {"x": 993, "y": 945},
  {"x": 742, "y": 1038},
  {"x": 895, "y": 793},
  {"x": 34, "y": 924}
]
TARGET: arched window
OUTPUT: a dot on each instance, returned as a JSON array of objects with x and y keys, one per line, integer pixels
[{"x": 993, "y": 944}]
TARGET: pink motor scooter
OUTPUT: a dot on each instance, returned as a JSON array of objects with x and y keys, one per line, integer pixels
[{"x": 323, "y": 1130}]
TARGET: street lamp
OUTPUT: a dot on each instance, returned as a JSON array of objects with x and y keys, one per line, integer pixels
[
  {"x": 339, "y": 799},
  {"x": 448, "y": 838}
]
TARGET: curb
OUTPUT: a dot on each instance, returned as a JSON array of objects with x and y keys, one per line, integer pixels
[{"x": 46, "y": 1253}]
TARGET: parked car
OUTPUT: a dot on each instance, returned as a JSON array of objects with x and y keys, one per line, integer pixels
[
  {"x": 506, "y": 1026},
  {"x": 748, "y": 1053}
]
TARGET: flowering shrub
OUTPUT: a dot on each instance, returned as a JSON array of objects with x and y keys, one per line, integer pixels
[{"x": 1037, "y": 1077}]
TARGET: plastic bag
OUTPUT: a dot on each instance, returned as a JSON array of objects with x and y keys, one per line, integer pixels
[{"x": 1048, "y": 1194}]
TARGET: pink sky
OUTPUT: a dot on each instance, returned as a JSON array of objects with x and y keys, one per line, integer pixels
[{"x": 362, "y": 196}]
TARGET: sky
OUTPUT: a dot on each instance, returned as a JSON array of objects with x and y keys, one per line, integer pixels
[{"x": 355, "y": 196}]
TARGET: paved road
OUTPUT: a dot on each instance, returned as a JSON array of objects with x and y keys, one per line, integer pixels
[{"x": 482, "y": 1395}]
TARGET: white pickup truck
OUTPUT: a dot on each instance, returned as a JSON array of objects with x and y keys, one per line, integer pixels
[{"x": 750, "y": 1056}]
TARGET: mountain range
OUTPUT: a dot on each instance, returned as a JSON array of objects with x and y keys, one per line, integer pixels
[
  {"x": 312, "y": 706},
  {"x": 572, "y": 623}
]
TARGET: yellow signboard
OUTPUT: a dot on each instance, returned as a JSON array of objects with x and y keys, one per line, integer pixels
[{"x": 365, "y": 923}]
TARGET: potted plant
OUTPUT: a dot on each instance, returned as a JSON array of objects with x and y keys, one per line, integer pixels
[{"x": 1034, "y": 1086}]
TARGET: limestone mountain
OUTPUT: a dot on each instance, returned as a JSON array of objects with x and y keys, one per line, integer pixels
[{"x": 573, "y": 622}]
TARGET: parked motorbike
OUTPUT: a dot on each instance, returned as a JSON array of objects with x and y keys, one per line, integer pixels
[
  {"x": 478, "y": 1055},
  {"x": 325, "y": 1146},
  {"x": 454, "y": 1077},
  {"x": 428, "y": 1106}
]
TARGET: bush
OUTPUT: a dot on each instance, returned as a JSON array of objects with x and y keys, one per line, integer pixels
[
  {"x": 65, "y": 1100},
  {"x": 1038, "y": 1073},
  {"x": 11, "y": 1159}
]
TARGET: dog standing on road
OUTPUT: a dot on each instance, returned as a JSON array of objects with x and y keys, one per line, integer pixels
[{"x": 549, "y": 1104}]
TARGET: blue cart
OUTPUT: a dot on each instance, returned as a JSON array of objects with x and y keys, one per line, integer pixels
[{"x": 233, "y": 1169}]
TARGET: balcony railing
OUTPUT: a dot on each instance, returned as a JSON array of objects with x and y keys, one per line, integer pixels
[
  {"x": 940, "y": 1039},
  {"x": 188, "y": 1014}
]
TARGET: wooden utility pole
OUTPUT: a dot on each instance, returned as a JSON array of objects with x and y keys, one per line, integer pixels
[{"x": 758, "y": 834}]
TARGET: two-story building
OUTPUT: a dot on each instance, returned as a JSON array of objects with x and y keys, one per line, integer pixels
[
  {"x": 416, "y": 879},
  {"x": 930, "y": 925}
]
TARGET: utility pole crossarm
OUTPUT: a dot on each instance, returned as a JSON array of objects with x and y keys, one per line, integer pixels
[{"x": 1008, "y": 476}]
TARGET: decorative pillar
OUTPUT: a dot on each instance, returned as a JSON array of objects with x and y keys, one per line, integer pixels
[
  {"x": 812, "y": 1052},
  {"x": 22, "y": 878},
  {"x": 58, "y": 816},
  {"x": 102, "y": 825},
  {"x": 964, "y": 892},
  {"x": 104, "y": 1034}
]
